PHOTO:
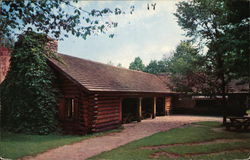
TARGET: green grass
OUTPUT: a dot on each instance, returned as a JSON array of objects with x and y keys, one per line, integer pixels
[
  {"x": 248, "y": 112},
  {"x": 184, "y": 149},
  {"x": 198, "y": 132},
  {"x": 14, "y": 145}
]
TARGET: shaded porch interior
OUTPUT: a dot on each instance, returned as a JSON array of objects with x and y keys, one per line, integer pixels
[{"x": 137, "y": 109}]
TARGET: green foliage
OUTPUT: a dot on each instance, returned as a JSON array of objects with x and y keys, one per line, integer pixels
[
  {"x": 248, "y": 112},
  {"x": 28, "y": 97},
  {"x": 57, "y": 18},
  {"x": 202, "y": 19},
  {"x": 156, "y": 67},
  {"x": 222, "y": 25},
  {"x": 137, "y": 64},
  {"x": 185, "y": 59},
  {"x": 186, "y": 67},
  {"x": 235, "y": 40},
  {"x": 152, "y": 67}
]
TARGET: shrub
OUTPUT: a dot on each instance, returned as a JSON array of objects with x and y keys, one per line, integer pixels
[{"x": 27, "y": 94}]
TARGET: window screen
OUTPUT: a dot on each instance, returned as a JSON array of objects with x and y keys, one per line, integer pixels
[{"x": 70, "y": 107}]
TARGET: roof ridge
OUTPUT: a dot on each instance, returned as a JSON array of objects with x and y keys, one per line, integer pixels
[{"x": 108, "y": 64}]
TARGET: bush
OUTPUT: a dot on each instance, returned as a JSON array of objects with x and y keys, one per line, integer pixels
[{"x": 28, "y": 97}]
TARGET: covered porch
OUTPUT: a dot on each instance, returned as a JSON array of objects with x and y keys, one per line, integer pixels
[{"x": 143, "y": 107}]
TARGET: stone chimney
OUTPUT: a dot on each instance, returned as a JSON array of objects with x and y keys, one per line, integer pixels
[
  {"x": 52, "y": 45},
  {"x": 4, "y": 62}
]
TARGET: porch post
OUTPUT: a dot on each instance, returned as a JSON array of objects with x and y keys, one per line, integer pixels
[
  {"x": 154, "y": 108},
  {"x": 139, "y": 110},
  {"x": 120, "y": 110}
]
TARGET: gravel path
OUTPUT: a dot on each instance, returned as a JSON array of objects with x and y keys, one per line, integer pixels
[{"x": 133, "y": 131}]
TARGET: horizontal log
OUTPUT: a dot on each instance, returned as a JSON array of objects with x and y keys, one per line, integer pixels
[
  {"x": 106, "y": 108},
  {"x": 104, "y": 116},
  {"x": 98, "y": 121},
  {"x": 107, "y": 112},
  {"x": 107, "y": 124},
  {"x": 106, "y": 98},
  {"x": 106, "y": 101},
  {"x": 106, "y": 105}
]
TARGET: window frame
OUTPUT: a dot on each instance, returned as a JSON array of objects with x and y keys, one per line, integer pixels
[{"x": 71, "y": 108}]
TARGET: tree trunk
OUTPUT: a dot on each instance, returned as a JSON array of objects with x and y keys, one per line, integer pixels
[
  {"x": 224, "y": 101},
  {"x": 221, "y": 76}
]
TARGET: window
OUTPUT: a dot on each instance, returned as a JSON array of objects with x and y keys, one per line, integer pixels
[{"x": 70, "y": 107}]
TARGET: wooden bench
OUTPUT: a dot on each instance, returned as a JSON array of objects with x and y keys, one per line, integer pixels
[{"x": 238, "y": 123}]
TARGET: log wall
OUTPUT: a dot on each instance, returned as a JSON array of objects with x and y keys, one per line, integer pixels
[
  {"x": 106, "y": 112},
  {"x": 95, "y": 111},
  {"x": 67, "y": 89}
]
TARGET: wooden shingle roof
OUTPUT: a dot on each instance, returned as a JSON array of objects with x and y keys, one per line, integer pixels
[{"x": 96, "y": 76}]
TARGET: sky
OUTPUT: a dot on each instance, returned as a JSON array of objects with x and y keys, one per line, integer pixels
[{"x": 149, "y": 34}]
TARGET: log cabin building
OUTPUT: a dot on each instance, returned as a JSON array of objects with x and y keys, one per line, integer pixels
[{"x": 96, "y": 97}]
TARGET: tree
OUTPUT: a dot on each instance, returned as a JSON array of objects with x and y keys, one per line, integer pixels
[
  {"x": 156, "y": 67},
  {"x": 137, "y": 64},
  {"x": 51, "y": 18},
  {"x": 224, "y": 27},
  {"x": 28, "y": 96},
  {"x": 203, "y": 20},
  {"x": 119, "y": 65},
  {"x": 186, "y": 67},
  {"x": 236, "y": 39},
  {"x": 213, "y": 23},
  {"x": 163, "y": 65},
  {"x": 152, "y": 67}
]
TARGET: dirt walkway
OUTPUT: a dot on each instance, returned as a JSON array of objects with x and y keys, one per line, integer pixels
[{"x": 93, "y": 146}]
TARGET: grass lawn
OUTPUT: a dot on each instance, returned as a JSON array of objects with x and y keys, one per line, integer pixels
[
  {"x": 203, "y": 140},
  {"x": 248, "y": 112},
  {"x": 15, "y": 146}
]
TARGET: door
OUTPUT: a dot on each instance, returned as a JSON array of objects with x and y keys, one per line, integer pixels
[{"x": 168, "y": 105}]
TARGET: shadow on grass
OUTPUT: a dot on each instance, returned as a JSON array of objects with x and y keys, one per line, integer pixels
[
  {"x": 196, "y": 141},
  {"x": 13, "y": 145}
]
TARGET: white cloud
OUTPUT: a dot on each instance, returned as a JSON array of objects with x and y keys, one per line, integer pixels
[
  {"x": 147, "y": 34},
  {"x": 142, "y": 17},
  {"x": 139, "y": 14},
  {"x": 127, "y": 53}
]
